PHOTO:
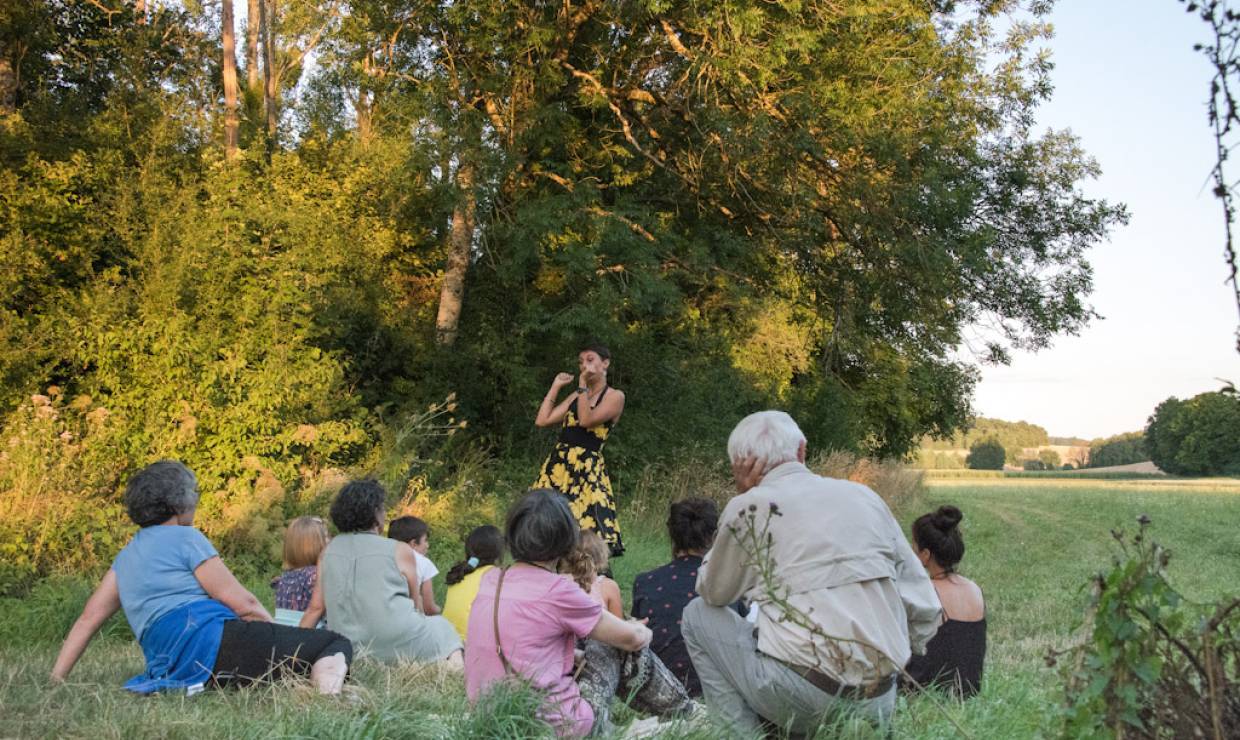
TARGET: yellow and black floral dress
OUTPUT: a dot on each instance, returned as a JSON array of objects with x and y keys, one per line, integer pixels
[{"x": 576, "y": 469}]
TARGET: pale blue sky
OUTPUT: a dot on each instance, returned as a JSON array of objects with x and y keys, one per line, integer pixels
[{"x": 1129, "y": 84}]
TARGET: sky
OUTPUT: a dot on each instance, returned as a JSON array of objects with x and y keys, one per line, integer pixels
[{"x": 1129, "y": 85}]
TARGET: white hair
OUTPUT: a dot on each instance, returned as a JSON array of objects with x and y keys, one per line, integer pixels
[{"x": 771, "y": 436}]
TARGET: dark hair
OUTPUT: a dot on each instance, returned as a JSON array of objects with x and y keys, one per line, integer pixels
[
  {"x": 356, "y": 506},
  {"x": 159, "y": 492},
  {"x": 692, "y": 524},
  {"x": 486, "y": 543},
  {"x": 598, "y": 349},
  {"x": 541, "y": 527},
  {"x": 408, "y": 529},
  {"x": 939, "y": 533}
]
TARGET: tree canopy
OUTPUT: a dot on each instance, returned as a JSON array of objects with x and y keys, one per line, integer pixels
[
  {"x": 1200, "y": 436},
  {"x": 809, "y": 205}
]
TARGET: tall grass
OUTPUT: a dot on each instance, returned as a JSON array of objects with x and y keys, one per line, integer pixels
[{"x": 701, "y": 473}]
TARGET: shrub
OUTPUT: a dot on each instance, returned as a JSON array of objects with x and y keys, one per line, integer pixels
[
  {"x": 1050, "y": 459},
  {"x": 1152, "y": 666},
  {"x": 58, "y": 505},
  {"x": 986, "y": 454},
  {"x": 1032, "y": 465}
]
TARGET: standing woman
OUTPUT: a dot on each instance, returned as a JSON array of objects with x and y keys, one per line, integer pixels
[{"x": 575, "y": 467}]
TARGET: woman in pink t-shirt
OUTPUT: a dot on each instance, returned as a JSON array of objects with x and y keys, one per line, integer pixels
[{"x": 541, "y": 616}]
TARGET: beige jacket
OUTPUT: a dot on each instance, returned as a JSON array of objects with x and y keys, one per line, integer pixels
[{"x": 839, "y": 559}]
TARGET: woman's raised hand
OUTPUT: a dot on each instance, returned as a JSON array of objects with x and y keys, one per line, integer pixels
[{"x": 561, "y": 380}]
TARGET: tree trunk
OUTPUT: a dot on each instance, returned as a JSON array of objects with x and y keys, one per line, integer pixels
[
  {"x": 267, "y": 14},
  {"x": 460, "y": 243},
  {"x": 251, "y": 47},
  {"x": 139, "y": 10},
  {"x": 365, "y": 102},
  {"x": 231, "y": 137},
  {"x": 8, "y": 85}
]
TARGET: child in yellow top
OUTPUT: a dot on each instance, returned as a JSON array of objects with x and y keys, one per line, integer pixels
[{"x": 484, "y": 547}]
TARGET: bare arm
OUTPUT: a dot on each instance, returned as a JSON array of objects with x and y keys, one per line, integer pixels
[
  {"x": 609, "y": 408},
  {"x": 103, "y": 603},
  {"x": 550, "y": 413},
  {"x": 408, "y": 566},
  {"x": 612, "y": 600},
  {"x": 630, "y": 636},
  {"x": 220, "y": 584},
  {"x": 314, "y": 612},
  {"x": 428, "y": 599}
]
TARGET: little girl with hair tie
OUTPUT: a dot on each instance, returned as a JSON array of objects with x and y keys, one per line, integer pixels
[{"x": 484, "y": 548}]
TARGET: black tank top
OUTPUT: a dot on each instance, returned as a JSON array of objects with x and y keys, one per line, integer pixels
[{"x": 953, "y": 659}]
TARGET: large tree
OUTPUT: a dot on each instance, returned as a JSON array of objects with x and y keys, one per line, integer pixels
[
  {"x": 824, "y": 197},
  {"x": 228, "y": 43}
]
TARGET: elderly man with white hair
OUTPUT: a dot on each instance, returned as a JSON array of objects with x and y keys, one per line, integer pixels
[{"x": 845, "y": 602}]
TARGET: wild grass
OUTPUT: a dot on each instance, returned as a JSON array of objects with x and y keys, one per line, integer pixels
[{"x": 1032, "y": 545}]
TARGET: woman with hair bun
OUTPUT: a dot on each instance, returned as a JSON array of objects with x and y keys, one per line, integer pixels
[{"x": 954, "y": 656}]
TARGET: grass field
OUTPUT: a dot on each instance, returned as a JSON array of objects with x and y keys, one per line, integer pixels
[{"x": 1032, "y": 545}]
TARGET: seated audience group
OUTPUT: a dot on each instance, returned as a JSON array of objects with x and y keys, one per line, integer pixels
[{"x": 851, "y": 610}]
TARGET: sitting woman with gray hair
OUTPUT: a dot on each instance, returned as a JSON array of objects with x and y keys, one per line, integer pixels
[{"x": 197, "y": 625}]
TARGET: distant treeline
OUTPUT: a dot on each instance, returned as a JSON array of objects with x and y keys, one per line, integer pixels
[
  {"x": 1018, "y": 437},
  {"x": 1121, "y": 449},
  {"x": 1010, "y": 434}
]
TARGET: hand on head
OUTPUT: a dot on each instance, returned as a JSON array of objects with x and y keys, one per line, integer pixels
[{"x": 748, "y": 472}]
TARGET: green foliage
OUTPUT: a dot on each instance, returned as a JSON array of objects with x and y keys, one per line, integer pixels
[
  {"x": 1200, "y": 436},
  {"x": 1122, "y": 449},
  {"x": 933, "y": 460},
  {"x": 58, "y": 512},
  {"x": 1153, "y": 666},
  {"x": 1013, "y": 435},
  {"x": 1049, "y": 459},
  {"x": 986, "y": 454},
  {"x": 796, "y": 205}
]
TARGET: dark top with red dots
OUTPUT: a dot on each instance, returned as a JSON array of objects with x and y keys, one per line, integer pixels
[{"x": 661, "y": 595}]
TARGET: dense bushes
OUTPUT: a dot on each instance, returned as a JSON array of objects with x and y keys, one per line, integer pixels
[
  {"x": 1122, "y": 449},
  {"x": 986, "y": 454},
  {"x": 1200, "y": 436}
]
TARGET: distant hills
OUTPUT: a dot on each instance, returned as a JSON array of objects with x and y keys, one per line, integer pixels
[{"x": 1024, "y": 442}]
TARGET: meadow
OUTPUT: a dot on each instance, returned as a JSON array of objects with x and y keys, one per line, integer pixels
[{"x": 1032, "y": 545}]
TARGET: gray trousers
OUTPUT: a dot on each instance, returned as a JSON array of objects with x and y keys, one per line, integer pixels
[{"x": 744, "y": 686}]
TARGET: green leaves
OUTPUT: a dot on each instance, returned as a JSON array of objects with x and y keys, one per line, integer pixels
[
  {"x": 1200, "y": 436},
  {"x": 1145, "y": 667}
]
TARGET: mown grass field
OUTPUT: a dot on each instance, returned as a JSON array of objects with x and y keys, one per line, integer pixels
[{"x": 1032, "y": 545}]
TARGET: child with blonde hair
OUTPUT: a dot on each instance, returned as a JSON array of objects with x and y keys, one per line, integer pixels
[
  {"x": 586, "y": 564},
  {"x": 304, "y": 541}
]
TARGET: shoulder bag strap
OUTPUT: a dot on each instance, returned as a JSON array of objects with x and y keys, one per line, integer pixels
[{"x": 499, "y": 649}]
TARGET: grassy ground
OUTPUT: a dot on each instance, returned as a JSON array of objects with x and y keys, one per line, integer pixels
[{"x": 1032, "y": 544}]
